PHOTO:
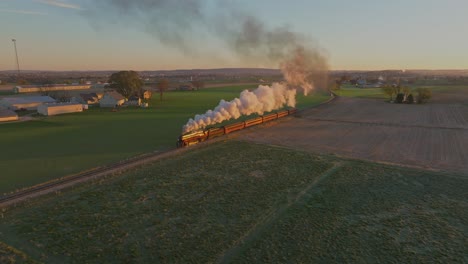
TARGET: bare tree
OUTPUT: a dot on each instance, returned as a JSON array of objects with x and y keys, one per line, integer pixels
[
  {"x": 198, "y": 84},
  {"x": 388, "y": 90},
  {"x": 162, "y": 85}
]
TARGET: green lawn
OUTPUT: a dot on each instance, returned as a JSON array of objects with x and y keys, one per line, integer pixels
[
  {"x": 246, "y": 203},
  {"x": 36, "y": 151}
]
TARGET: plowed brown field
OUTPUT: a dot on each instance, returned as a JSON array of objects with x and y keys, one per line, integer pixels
[{"x": 432, "y": 136}]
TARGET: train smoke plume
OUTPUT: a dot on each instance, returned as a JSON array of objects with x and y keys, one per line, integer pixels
[
  {"x": 263, "y": 99},
  {"x": 298, "y": 70},
  {"x": 180, "y": 23}
]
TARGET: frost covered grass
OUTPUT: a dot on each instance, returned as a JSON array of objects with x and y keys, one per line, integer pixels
[{"x": 243, "y": 202}]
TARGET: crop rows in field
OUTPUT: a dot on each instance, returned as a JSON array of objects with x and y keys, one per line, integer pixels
[
  {"x": 432, "y": 136},
  {"x": 376, "y": 111}
]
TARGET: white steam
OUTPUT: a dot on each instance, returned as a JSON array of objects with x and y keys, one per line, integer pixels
[
  {"x": 299, "y": 70},
  {"x": 263, "y": 99}
]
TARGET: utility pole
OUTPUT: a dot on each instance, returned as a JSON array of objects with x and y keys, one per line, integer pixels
[{"x": 17, "y": 61}]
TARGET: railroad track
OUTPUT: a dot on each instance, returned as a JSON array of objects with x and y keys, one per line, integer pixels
[{"x": 65, "y": 182}]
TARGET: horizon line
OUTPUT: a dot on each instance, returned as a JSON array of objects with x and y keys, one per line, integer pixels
[{"x": 220, "y": 68}]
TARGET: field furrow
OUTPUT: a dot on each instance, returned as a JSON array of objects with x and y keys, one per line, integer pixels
[{"x": 430, "y": 136}]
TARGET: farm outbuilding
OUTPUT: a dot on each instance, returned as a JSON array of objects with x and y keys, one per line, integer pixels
[
  {"x": 89, "y": 98},
  {"x": 147, "y": 94},
  {"x": 57, "y": 109},
  {"x": 8, "y": 115},
  {"x": 49, "y": 88},
  {"x": 25, "y": 103},
  {"x": 112, "y": 99},
  {"x": 133, "y": 100}
]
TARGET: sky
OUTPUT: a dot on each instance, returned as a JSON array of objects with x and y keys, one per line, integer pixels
[{"x": 353, "y": 35}]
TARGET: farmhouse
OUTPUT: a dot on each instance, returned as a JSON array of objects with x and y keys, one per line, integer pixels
[
  {"x": 57, "y": 109},
  {"x": 48, "y": 88},
  {"x": 25, "y": 103},
  {"x": 7, "y": 115},
  {"x": 147, "y": 94},
  {"x": 112, "y": 99}
]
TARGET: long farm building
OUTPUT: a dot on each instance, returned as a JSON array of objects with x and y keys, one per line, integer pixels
[
  {"x": 25, "y": 103},
  {"x": 49, "y": 88},
  {"x": 58, "y": 109}
]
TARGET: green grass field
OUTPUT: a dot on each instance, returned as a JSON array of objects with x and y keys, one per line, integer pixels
[
  {"x": 53, "y": 147},
  {"x": 246, "y": 203}
]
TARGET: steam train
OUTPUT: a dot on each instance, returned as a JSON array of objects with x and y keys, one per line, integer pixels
[{"x": 200, "y": 136}]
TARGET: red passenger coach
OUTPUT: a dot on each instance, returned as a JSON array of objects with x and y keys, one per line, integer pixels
[
  {"x": 234, "y": 127},
  {"x": 253, "y": 121}
]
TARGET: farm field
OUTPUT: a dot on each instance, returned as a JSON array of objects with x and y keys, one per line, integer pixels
[
  {"x": 53, "y": 147},
  {"x": 350, "y": 91},
  {"x": 239, "y": 202},
  {"x": 443, "y": 94},
  {"x": 430, "y": 135}
]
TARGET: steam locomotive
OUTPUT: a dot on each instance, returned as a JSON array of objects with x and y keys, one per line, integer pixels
[{"x": 200, "y": 136}]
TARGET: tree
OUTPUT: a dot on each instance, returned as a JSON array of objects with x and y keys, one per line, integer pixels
[
  {"x": 399, "y": 98},
  {"x": 424, "y": 94},
  {"x": 336, "y": 84},
  {"x": 198, "y": 84},
  {"x": 162, "y": 85},
  {"x": 22, "y": 82},
  {"x": 406, "y": 90},
  {"x": 388, "y": 90},
  {"x": 127, "y": 83}
]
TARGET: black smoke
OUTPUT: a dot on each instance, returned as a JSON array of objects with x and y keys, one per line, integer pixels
[{"x": 178, "y": 23}]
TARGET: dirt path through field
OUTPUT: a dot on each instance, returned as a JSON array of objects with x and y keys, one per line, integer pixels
[
  {"x": 433, "y": 136},
  {"x": 263, "y": 225}
]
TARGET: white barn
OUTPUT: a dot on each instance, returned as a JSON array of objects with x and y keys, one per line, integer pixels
[
  {"x": 57, "y": 109},
  {"x": 112, "y": 99},
  {"x": 26, "y": 103},
  {"x": 8, "y": 115}
]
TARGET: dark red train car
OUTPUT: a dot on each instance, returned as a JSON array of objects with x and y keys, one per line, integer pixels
[
  {"x": 199, "y": 136},
  {"x": 234, "y": 127},
  {"x": 253, "y": 121}
]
